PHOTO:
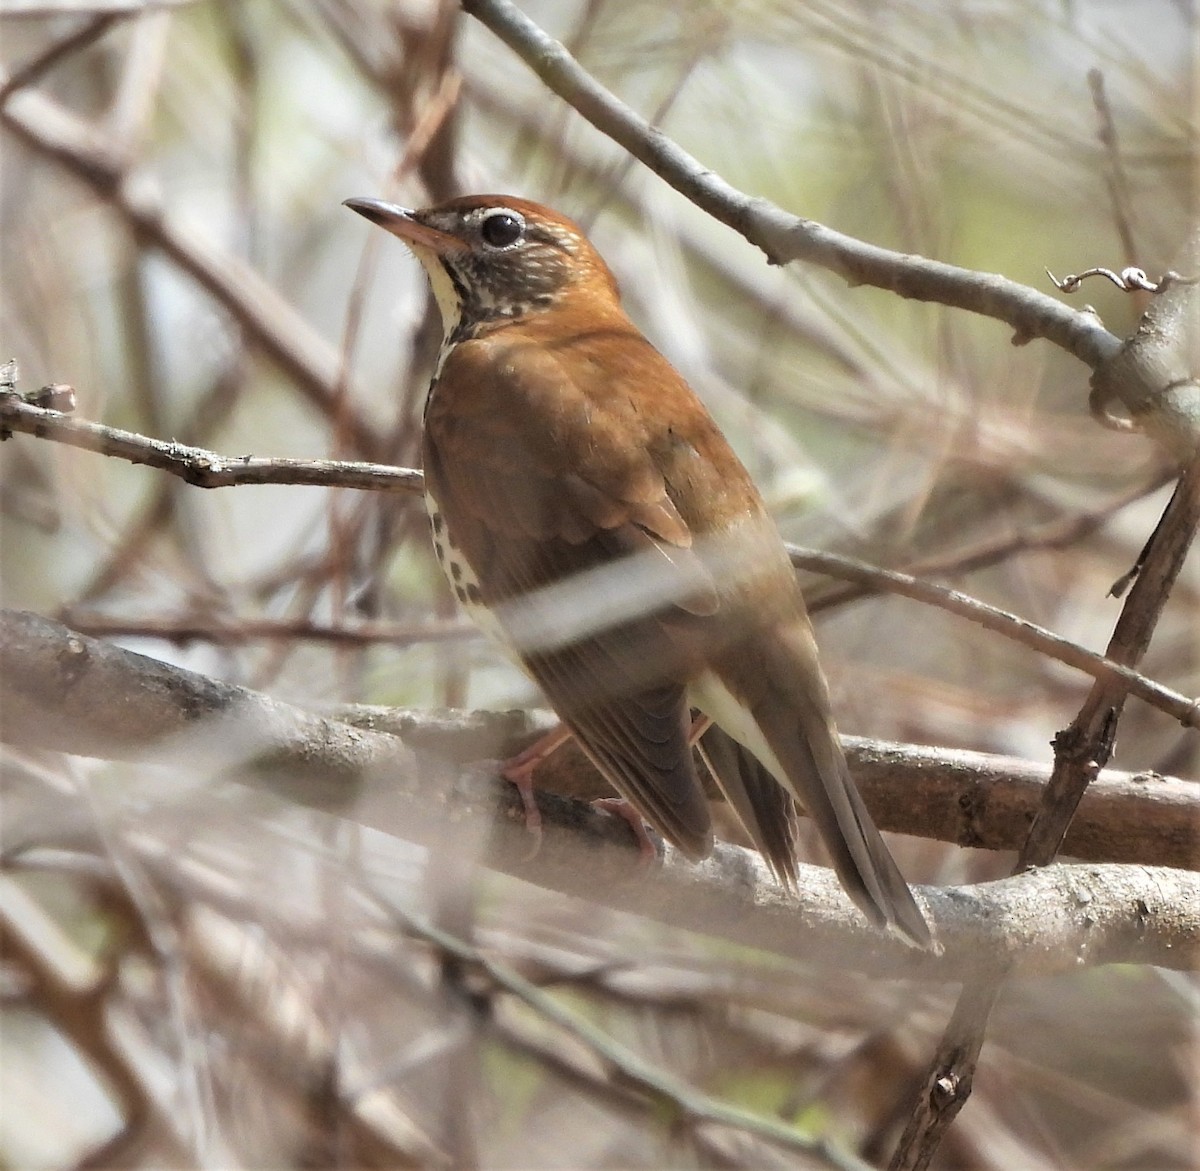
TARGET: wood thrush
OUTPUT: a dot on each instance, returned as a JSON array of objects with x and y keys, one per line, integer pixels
[{"x": 591, "y": 516}]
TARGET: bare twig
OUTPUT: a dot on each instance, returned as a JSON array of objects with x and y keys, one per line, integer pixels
[
  {"x": 39, "y": 9},
  {"x": 784, "y": 237},
  {"x": 204, "y": 469},
  {"x": 1116, "y": 179},
  {"x": 251, "y": 630},
  {"x": 1180, "y": 707}
]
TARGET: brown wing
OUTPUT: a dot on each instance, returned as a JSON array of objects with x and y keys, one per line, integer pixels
[{"x": 555, "y": 491}]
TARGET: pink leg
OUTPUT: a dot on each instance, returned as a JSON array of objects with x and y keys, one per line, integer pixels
[
  {"x": 519, "y": 771},
  {"x": 700, "y": 725},
  {"x": 621, "y": 808}
]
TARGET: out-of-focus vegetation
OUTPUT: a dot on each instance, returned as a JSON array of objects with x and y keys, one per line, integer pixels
[{"x": 904, "y": 433}]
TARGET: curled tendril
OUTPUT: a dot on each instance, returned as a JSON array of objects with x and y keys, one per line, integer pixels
[{"x": 1130, "y": 280}]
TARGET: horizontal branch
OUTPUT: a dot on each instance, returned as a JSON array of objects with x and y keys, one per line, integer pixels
[
  {"x": 974, "y": 799},
  {"x": 196, "y": 465},
  {"x": 60, "y": 690},
  {"x": 41, "y": 9},
  {"x": 208, "y": 469},
  {"x": 239, "y": 631},
  {"x": 1180, "y": 707}
]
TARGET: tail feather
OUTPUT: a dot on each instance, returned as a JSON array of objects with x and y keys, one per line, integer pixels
[
  {"x": 775, "y": 702},
  {"x": 861, "y": 859},
  {"x": 763, "y": 806}
]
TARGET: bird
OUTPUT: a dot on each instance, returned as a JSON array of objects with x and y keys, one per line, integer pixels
[{"x": 591, "y": 516}]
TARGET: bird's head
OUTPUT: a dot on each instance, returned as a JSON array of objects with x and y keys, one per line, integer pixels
[{"x": 495, "y": 257}]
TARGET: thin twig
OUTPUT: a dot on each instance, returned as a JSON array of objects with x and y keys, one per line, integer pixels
[
  {"x": 1020, "y": 630},
  {"x": 1116, "y": 179},
  {"x": 204, "y": 469},
  {"x": 250, "y": 630}
]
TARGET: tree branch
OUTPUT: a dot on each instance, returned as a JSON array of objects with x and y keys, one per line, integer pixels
[
  {"x": 196, "y": 465},
  {"x": 785, "y": 237},
  {"x": 65, "y": 692}
]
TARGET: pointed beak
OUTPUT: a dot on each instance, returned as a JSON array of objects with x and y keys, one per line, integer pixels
[{"x": 402, "y": 222}]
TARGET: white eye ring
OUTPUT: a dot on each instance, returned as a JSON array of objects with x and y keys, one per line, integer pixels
[{"x": 502, "y": 228}]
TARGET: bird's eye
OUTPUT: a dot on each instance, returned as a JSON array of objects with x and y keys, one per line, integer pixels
[{"x": 502, "y": 229}]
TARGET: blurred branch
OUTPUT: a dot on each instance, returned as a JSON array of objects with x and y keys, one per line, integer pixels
[
  {"x": 64, "y": 692},
  {"x": 1115, "y": 178},
  {"x": 55, "y": 52},
  {"x": 686, "y": 1106},
  {"x": 785, "y": 237},
  {"x": 260, "y": 984},
  {"x": 237, "y": 632},
  {"x": 314, "y": 366},
  {"x": 207, "y": 469},
  {"x": 43, "y": 8},
  {"x": 74, "y": 1002}
]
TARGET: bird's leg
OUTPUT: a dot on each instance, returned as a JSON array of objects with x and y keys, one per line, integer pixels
[
  {"x": 519, "y": 772},
  {"x": 621, "y": 808}
]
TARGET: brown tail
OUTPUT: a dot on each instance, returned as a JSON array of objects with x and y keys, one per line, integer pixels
[{"x": 783, "y": 716}]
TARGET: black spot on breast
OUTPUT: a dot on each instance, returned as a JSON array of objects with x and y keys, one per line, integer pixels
[
  {"x": 473, "y": 594},
  {"x": 456, "y": 570},
  {"x": 460, "y": 593}
]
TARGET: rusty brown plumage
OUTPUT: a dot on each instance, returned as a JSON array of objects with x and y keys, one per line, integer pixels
[{"x": 590, "y": 513}]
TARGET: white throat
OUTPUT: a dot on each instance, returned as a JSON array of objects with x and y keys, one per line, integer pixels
[{"x": 448, "y": 301}]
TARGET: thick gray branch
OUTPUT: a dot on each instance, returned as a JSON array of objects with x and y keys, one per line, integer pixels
[{"x": 63, "y": 691}]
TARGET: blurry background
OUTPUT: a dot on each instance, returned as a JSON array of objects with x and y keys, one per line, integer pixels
[{"x": 256, "y": 315}]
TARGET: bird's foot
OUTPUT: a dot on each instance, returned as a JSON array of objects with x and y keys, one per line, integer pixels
[
  {"x": 518, "y": 771},
  {"x": 621, "y": 808}
]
